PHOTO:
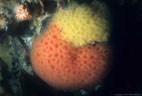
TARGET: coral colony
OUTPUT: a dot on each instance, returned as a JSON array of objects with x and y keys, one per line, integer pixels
[
  {"x": 63, "y": 43},
  {"x": 73, "y": 51}
]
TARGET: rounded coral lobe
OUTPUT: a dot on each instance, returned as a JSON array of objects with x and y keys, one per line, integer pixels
[
  {"x": 64, "y": 66},
  {"x": 82, "y": 24}
]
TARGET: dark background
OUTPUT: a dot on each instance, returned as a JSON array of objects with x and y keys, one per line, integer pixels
[{"x": 127, "y": 42}]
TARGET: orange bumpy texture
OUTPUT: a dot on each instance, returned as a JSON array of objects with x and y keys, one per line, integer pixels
[{"x": 64, "y": 66}]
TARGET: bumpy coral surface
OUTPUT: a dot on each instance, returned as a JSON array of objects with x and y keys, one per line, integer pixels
[
  {"x": 82, "y": 24},
  {"x": 22, "y": 13},
  {"x": 64, "y": 66}
]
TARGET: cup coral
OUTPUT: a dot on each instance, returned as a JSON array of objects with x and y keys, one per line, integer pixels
[{"x": 68, "y": 62}]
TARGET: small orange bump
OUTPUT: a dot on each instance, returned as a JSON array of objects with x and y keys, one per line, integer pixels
[
  {"x": 85, "y": 62},
  {"x": 46, "y": 43},
  {"x": 46, "y": 47},
  {"x": 84, "y": 56},
  {"x": 51, "y": 41},
  {"x": 73, "y": 72},
  {"x": 56, "y": 54},
  {"x": 69, "y": 70},
  {"x": 61, "y": 43},
  {"x": 91, "y": 57},
  {"x": 38, "y": 54},
  {"x": 73, "y": 36},
  {"x": 89, "y": 73},
  {"x": 39, "y": 46},
  {"x": 41, "y": 62},
  {"x": 57, "y": 61},
  {"x": 87, "y": 22},
  {"x": 55, "y": 37},
  {"x": 72, "y": 30},
  {"x": 61, "y": 51},
  {"x": 80, "y": 51},
  {"x": 61, "y": 56},
  {"x": 51, "y": 49},
  {"x": 56, "y": 45},
  {"x": 48, "y": 61},
  {"x": 92, "y": 28},
  {"x": 54, "y": 26},
  {"x": 65, "y": 47},
  {"x": 79, "y": 32},
  {"x": 52, "y": 66},
  {"x": 50, "y": 55},
  {"x": 44, "y": 50}
]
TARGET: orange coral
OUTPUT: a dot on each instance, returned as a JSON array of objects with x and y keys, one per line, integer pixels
[{"x": 64, "y": 66}]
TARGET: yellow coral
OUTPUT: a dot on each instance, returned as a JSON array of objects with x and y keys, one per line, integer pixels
[{"x": 82, "y": 24}]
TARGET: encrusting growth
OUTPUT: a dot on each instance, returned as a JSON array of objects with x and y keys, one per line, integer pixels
[
  {"x": 64, "y": 66},
  {"x": 65, "y": 56},
  {"x": 82, "y": 24}
]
